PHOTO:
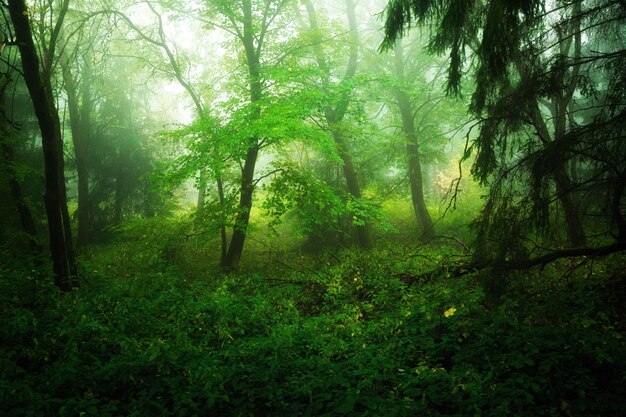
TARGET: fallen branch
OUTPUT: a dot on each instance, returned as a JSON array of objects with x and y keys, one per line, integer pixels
[
  {"x": 565, "y": 253},
  {"x": 517, "y": 265}
]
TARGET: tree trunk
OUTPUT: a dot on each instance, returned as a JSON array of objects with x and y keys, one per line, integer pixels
[
  {"x": 223, "y": 237},
  {"x": 571, "y": 211},
  {"x": 84, "y": 216},
  {"x": 349, "y": 173},
  {"x": 619, "y": 187},
  {"x": 117, "y": 203},
  {"x": 201, "y": 192},
  {"x": 412, "y": 148},
  {"x": 80, "y": 125},
  {"x": 222, "y": 204},
  {"x": 334, "y": 115},
  {"x": 40, "y": 90},
  {"x": 253, "y": 62},
  {"x": 243, "y": 217},
  {"x": 561, "y": 101},
  {"x": 417, "y": 193}
]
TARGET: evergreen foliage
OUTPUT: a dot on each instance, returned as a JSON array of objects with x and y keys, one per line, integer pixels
[{"x": 540, "y": 109}]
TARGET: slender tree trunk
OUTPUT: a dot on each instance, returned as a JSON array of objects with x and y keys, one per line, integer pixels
[
  {"x": 334, "y": 115},
  {"x": 616, "y": 203},
  {"x": 222, "y": 203},
  {"x": 564, "y": 184},
  {"x": 117, "y": 204},
  {"x": 349, "y": 174},
  {"x": 201, "y": 192},
  {"x": 240, "y": 229},
  {"x": 80, "y": 126},
  {"x": 245, "y": 205},
  {"x": 84, "y": 204},
  {"x": 412, "y": 148},
  {"x": 40, "y": 90},
  {"x": 223, "y": 237}
]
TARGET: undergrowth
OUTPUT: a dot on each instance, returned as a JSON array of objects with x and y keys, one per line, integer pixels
[{"x": 349, "y": 337}]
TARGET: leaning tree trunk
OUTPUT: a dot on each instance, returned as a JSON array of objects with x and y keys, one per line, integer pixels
[
  {"x": 235, "y": 249},
  {"x": 40, "y": 90}
]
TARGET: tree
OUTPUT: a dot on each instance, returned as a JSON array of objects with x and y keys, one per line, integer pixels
[
  {"x": 177, "y": 66},
  {"x": 122, "y": 153},
  {"x": 335, "y": 110},
  {"x": 407, "y": 115},
  {"x": 7, "y": 147},
  {"x": 76, "y": 64},
  {"x": 37, "y": 75},
  {"x": 250, "y": 24},
  {"x": 546, "y": 91}
]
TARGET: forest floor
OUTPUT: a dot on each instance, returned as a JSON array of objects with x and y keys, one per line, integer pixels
[{"x": 153, "y": 332}]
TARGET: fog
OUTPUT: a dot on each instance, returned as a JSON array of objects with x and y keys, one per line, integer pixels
[{"x": 312, "y": 207}]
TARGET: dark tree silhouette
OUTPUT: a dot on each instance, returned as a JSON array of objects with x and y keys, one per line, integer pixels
[{"x": 37, "y": 78}]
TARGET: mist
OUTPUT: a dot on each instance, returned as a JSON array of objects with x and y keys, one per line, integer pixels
[{"x": 312, "y": 207}]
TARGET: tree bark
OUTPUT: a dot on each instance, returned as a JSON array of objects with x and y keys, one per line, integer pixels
[
  {"x": 412, "y": 148},
  {"x": 40, "y": 90}
]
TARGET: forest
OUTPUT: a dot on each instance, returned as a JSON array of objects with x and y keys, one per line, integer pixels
[{"x": 312, "y": 208}]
